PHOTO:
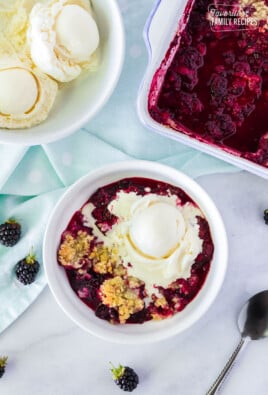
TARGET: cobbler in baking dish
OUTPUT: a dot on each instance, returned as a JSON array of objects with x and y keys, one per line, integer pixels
[{"x": 213, "y": 83}]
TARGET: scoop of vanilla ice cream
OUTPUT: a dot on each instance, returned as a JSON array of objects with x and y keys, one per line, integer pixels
[
  {"x": 156, "y": 230},
  {"x": 156, "y": 237},
  {"x": 82, "y": 39},
  {"x": 18, "y": 92},
  {"x": 26, "y": 94},
  {"x": 62, "y": 38}
]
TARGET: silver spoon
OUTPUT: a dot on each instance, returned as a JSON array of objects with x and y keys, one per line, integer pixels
[{"x": 253, "y": 325}]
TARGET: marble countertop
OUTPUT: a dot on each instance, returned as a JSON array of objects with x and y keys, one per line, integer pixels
[{"x": 49, "y": 355}]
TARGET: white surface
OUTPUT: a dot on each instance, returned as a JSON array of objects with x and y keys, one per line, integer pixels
[
  {"x": 77, "y": 102},
  {"x": 75, "y": 197},
  {"x": 50, "y": 355}
]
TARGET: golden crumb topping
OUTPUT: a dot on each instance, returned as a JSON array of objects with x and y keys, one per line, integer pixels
[
  {"x": 162, "y": 307},
  {"x": 157, "y": 317},
  {"x": 260, "y": 11},
  {"x": 116, "y": 293},
  {"x": 106, "y": 260},
  {"x": 134, "y": 282},
  {"x": 161, "y": 302},
  {"x": 72, "y": 251}
]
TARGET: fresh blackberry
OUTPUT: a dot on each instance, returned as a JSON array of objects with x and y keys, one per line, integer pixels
[
  {"x": 265, "y": 216},
  {"x": 3, "y": 362},
  {"x": 26, "y": 269},
  {"x": 10, "y": 233},
  {"x": 125, "y": 377}
]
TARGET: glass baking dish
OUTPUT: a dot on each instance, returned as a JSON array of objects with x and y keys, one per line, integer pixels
[{"x": 161, "y": 27}]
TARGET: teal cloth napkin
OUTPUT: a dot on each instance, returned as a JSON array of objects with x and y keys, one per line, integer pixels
[{"x": 33, "y": 178}]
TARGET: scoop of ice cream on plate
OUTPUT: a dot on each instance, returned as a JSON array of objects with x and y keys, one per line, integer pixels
[
  {"x": 26, "y": 94},
  {"x": 63, "y": 37}
]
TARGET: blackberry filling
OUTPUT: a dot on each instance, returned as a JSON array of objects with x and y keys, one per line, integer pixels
[{"x": 216, "y": 86}]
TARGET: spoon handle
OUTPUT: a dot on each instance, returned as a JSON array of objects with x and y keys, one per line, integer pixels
[{"x": 217, "y": 383}]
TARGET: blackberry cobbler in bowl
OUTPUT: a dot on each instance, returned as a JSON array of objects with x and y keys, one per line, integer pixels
[{"x": 135, "y": 251}]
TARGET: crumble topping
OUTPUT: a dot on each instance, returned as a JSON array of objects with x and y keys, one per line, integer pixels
[
  {"x": 134, "y": 282},
  {"x": 106, "y": 260},
  {"x": 161, "y": 302},
  {"x": 72, "y": 250},
  {"x": 115, "y": 293},
  {"x": 259, "y": 9}
]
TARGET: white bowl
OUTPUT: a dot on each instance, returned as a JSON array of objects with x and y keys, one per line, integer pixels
[
  {"x": 81, "y": 99},
  {"x": 167, "y": 14},
  {"x": 82, "y": 315}
]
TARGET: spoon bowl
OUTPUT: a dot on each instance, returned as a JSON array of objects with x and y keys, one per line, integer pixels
[
  {"x": 253, "y": 319},
  {"x": 253, "y": 325}
]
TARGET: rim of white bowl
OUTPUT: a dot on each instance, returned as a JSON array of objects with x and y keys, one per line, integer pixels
[
  {"x": 147, "y": 332},
  {"x": 19, "y": 136}
]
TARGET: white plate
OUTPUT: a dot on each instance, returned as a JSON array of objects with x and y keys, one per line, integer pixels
[
  {"x": 82, "y": 315},
  {"x": 81, "y": 99}
]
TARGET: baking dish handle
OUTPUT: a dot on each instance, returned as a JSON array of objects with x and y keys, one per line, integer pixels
[
  {"x": 154, "y": 32},
  {"x": 163, "y": 23}
]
